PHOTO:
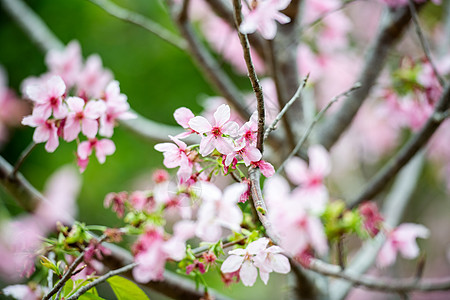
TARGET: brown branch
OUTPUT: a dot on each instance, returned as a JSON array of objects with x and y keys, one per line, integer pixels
[
  {"x": 424, "y": 42},
  {"x": 257, "y": 89},
  {"x": 23, "y": 156},
  {"x": 210, "y": 68},
  {"x": 414, "y": 144},
  {"x": 141, "y": 21},
  {"x": 389, "y": 33}
]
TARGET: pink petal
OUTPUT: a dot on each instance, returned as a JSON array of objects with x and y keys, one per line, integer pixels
[
  {"x": 387, "y": 255},
  {"x": 223, "y": 145},
  {"x": 297, "y": 170},
  {"x": 232, "y": 264},
  {"x": 71, "y": 129},
  {"x": 164, "y": 147},
  {"x": 84, "y": 149},
  {"x": 89, "y": 127},
  {"x": 280, "y": 264},
  {"x": 207, "y": 146},
  {"x": 264, "y": 276},
  {"x": 182, "y": 145},
  {"x": 257, "y": 246},
  {"x": 231, "y": 128},
  {"x": 75, "y": 104},
  {"x": 94, "y": 109},
  {"x": 41, "y": 134},
  {"x": 183, "y": 115},
  {"x": 248, "y": 273},
  {"x": 222, "y": 115},
  {"x": 319, "y": 160},
  {"x": 56, "y": 86},
  {"x": 200, "y": 124},
  {"x": 103, "y": 148},
  {"x": 53, "y": 140}
]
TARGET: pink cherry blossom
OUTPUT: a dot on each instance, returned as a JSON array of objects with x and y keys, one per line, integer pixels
[
  {"x": 176, "y": 155},
  {"x": 215, "y": 136},
  {"x": 66, "y": 63},
  {"x": 117, "y": 108},
  {"x": 243, "y": 260},
  {"x": 248, "y": 131},
  {"x": 93, "y": 79},
  {"x": 102, "y": 148},
  {"x": 371, "y": 217},
  {"x": 263, "y": 17},
  {"x": 183, "y": 115},
  {"x": 297, "y": 229},
  {"x": 23, "y": 292},
  {"x": 311, "y": 191},
  {"x": 402, "y": 239},
  {"x": 218, "y": 210},
  {"x": 46, "y": 130},
  {"x": 247, "y": 152},
  {"x": 47, "y": 94},
  {"x": 271, "y": 260},
  {"x": 82, "y": 118},
  {"x": 266, "y": 168}
]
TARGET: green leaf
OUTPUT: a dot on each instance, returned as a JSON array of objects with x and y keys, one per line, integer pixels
[
  {"x": 90, "y": 296},
  {"x": 126, "y": 289}
]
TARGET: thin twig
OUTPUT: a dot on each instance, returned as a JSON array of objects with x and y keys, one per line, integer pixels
[
  {"x": 65, "y": 277},
  {"x": 22, "y": 158},
  {"x": 200, "y": 250},
  {"x": 314, "y": 121},
  {"x": 257, "y": 89},
  {"x": 424, "y": 42},
  {"x": 101, "y": 279},
  {"x": 210, "y": 68},
  {"x": 286, "y": 107},
  {"x": 137, "y": 19},
  {"x": 390, "y": 285},
  {"x": 414, "y": 144}
]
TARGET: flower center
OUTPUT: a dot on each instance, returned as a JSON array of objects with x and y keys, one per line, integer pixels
[{"x": 216, "y": 131}]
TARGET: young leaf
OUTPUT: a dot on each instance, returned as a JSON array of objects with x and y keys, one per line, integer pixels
[{"x": 126, "y": 289}]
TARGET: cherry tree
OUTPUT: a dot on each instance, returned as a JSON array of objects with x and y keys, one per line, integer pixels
[{"x": 308, "y": 173}]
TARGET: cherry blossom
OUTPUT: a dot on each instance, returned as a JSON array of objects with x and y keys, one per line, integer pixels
[
  {"x": 183, "y": 115},
  {"x": 66, "y": 63},
  {"x": 215, "y": 136},
  {"x": 402, "y": 239},
  {"x": 93, "y": 79},
  {"x": 247, "y": 152},
  {"x": 311, "y": 191},
  {"x": 256, "y": 255},
  {"x": 263, "y": 17},
  {"x": 266, "y": 168},
  {"x": 47, "y": 94},
  {"x": 86, "y": 115},
  {"x": 176, "y": 155},
  {"x": 102, "y": 148},
  {"x": 46, "y": 130},
  {"x": 243, "y": 260},
  {"x": 117, "y": 108},
  {"x": 248, "y": 131},
  {"x": 218, "y": 210}
]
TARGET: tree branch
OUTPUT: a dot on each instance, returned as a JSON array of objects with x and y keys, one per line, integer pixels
[
  {"x": 286, "y": 107},
  {"x": 393, "y": 208},
  {"x": 141, "y": 21},
  {"x": 210, "y": 68},
  {"x": 389, "y": 32},
  {"x": 424, "y": 42},
  {"x": 257, "y": 89},
  {"x": 414, "y": 144},
  {"x": 101, "y": 279}
]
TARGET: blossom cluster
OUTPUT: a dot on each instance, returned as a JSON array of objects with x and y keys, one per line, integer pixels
[{"x": 73, "y": 98}]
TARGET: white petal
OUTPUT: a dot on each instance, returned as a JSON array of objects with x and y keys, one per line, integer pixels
[{"x": 232, "y": 264}]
